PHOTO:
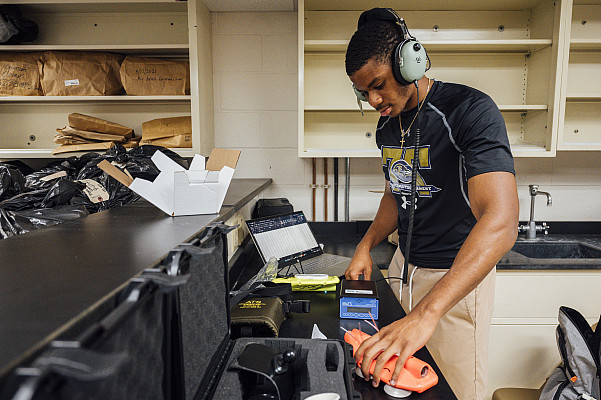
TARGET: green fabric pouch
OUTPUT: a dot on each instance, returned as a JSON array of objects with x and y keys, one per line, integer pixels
[{"x": 257, "y": 316}]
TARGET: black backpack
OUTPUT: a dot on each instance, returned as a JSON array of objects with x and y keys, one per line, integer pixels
[{"x": 578, "y": 376}]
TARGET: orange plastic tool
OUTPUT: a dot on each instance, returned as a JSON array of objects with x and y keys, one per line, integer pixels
[{"x": 416, "y": 375}]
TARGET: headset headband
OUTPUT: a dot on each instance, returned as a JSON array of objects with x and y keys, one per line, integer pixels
[{"x": 384, "y": 15}]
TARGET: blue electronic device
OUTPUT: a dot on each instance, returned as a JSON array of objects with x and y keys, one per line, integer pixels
[{"x": 359, "y": 299}]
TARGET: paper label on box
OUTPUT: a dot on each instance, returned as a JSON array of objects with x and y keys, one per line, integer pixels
[
  {"x": 95, "y": 191},
  {"x": 358, "y": 291},
  {"x": 56, "y": 175},
  {"x": 72, "y": 82}
]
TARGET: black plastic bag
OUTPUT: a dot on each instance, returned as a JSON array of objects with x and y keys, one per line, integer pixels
[
  {"x": 14, "y": 223},
  {"x": 62, "y": 192},
  {"x": 138, "y": 164},
  {"x": 119, "y": 195},
  {"x": 23, "y": 201},
  {"x": 26, "y": 29},
  {"x": 12, "y": 181},
  {"x": 27, "y": 202},
  {"x": 20, "y": 165},
  {"x": 68, "y": 168},
  {"x": 148, "y": 150}
]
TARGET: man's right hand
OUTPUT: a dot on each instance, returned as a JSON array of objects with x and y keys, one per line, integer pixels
[{"x": 360, "y": 264}]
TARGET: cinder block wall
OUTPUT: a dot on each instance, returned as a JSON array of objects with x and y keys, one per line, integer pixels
[{"x": 255, "y": 91}]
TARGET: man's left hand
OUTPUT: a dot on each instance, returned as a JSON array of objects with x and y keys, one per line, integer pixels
[{"x": 403, "y": 337}]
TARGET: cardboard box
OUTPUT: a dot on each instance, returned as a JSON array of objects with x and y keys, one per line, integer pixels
[{"x": 177, "y": 191}]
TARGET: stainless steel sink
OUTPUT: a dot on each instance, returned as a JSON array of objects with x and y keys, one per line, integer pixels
[{"x": 556, "y": 249}]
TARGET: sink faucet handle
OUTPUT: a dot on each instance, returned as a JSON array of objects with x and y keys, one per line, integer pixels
[
  {"x": 545, "y": 228},
  {"x": 533, "y": 189}
]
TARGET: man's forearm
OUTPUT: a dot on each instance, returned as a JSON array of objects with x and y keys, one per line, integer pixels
[{"x": 488, "y": 241}]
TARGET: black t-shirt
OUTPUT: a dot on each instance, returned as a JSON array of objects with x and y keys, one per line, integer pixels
[{"x": 463, "y": 134}]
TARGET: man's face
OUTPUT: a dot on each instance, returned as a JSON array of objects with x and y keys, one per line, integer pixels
[{"x": 376, "y": 81}]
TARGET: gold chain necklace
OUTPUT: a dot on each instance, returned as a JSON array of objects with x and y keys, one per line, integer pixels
[{"x": 419, "y": 107}]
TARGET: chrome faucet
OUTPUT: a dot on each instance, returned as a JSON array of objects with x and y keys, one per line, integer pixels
[{"x": 532, "y": 227}]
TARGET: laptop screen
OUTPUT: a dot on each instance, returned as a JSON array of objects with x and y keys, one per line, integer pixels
[{"x": 286, "y": 237}]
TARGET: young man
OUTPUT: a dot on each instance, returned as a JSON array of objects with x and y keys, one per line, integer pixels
[{"x": 466, "y": 213}]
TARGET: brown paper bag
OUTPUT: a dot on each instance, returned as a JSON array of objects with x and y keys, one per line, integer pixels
[
  {"x": 166, "y": 127},
  {"x": 81, "y": 74},
  {"x": 66, "y": 148},
  {"x": 145, "y": 76},
  {"x": 59, "y": 138},
  {"x": 20, "y": 74},
  {"x": 94, "y": 136},
  {"x": 173, "y": 141},
  {"x": 87, "y": 123},
  {"x": 130, "y": 144}
]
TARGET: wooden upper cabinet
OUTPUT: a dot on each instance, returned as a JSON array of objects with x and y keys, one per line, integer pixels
[{"x": 511, "y": 50}]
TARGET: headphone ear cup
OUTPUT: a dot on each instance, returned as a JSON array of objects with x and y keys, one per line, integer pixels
[
  {"x": 398, "y": 63},
  {"x": 359, "y": 95},
  {"x": 412, "y": 61}
]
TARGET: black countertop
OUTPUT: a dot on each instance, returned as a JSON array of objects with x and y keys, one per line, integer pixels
[
  {"x": 324, "y": 306},
  {"x": 52, "y": 278},
  {"x": 342, "y": 237}
]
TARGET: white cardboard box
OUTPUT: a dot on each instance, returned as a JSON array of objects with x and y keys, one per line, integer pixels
[{"x": 178, "y": 191}]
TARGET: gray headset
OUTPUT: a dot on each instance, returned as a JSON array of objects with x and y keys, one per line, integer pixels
[{"x": 410, "y": 60}]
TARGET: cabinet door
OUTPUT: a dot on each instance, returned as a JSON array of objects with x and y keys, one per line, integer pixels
[{"x": 581, "y": 85}]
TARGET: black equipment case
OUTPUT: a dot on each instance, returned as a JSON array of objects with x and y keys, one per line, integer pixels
[
  {"x": 166, "y": 335},
  {"x": 217, "y": 367}
]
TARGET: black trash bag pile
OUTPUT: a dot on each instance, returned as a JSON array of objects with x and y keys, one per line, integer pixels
[
  {"x": 14, "y": 223},
  {"x": 14, "y": 27},
  {"x": 58, "y": 192}
]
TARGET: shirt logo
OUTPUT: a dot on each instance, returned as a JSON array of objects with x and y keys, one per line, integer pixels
[{"x": 399, "y": 162}]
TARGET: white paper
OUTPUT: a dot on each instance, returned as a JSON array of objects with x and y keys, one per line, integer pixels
[
  {"x": 72, "y": 82},
  {"x": 316, "y": 334}
]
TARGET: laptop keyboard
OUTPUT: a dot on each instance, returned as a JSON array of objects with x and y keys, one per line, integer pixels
[{"x": 322, "y": 263}]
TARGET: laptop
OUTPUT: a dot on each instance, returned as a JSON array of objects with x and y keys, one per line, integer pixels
[{"x": 289, "y": 238}]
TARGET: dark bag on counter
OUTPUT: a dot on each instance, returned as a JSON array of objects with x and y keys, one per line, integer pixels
[{"x": 269, "y": 207}]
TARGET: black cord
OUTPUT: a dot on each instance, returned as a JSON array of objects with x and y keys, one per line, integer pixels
[
  {"x": 413, "y": 191},
  {"x": 288, "y": 274},
  {"x": 301, "y": 266}
]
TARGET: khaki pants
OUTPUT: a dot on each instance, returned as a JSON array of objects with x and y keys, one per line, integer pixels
[{"x": 459, "y": 344}]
